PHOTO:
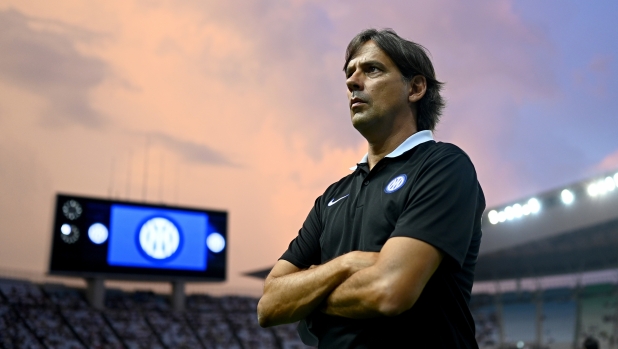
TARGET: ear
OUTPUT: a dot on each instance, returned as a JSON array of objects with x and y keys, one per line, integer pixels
[{"x": 418, "y": 87}]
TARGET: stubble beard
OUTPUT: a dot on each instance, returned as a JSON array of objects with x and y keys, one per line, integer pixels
[{"x": 365, "y": 122}]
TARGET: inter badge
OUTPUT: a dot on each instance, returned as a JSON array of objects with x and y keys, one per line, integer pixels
[{"x": 395, "y": 184}]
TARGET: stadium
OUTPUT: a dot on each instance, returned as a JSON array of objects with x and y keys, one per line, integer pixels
[
  {"x": 157, "y": 158},
  {"x": 546, "y": 277}
]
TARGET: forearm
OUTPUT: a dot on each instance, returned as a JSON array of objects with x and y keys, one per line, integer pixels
[
  {"x": 360, "y": 296},
  {"x": 292, "y": 297},
  {"x": 390, "y": 286}
]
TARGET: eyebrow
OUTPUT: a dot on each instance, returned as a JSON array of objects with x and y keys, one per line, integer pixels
[{"x": 364, "y": 64}]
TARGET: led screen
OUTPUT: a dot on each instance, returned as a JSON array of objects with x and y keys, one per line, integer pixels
[{"x": 132, "y": 240}]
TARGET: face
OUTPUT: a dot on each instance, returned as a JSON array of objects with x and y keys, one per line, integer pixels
[{"x": 377, "y": 93}]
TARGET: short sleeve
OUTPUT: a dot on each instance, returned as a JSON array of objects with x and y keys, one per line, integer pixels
[
  {"x": 304, "y": 250},
  {"x": 442, "y": 205}
]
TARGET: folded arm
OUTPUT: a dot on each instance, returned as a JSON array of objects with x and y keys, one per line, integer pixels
[
  {"x": 390, "y": 286},
  {"x": 291, "y": 293}
]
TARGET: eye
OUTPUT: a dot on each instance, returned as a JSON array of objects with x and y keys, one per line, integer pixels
[{"x": 372, "y": 69}]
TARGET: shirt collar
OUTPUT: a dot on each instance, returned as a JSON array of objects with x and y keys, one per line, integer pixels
[{"x": 411, "y": 142}]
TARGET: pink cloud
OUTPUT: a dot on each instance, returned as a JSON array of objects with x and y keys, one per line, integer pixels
[{"x": 609, "y": 163}]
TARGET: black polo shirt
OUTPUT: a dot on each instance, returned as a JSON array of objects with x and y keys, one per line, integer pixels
[{"x": 425, "y": 190}]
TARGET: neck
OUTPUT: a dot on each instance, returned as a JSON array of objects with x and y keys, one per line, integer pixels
[{"x": 380, "y": 147}]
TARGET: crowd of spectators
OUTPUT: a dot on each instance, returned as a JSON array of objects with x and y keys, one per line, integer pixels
[
  {"x": 251, "y": 335},
  {"x": 55, "y": 316},
  {"x": 485, "y": 320},
  {"x": 39, "y": 315},
  {"x": 13, "y": 332},
  {"x": 288, "y": 336},
  {"x": 214, "y": 330},
  {"x": 174, "y": 330},
  {"x": 126, "y": 314},
  {"x": 88, "y": 324},
  {"x": 487, "y": 328}
]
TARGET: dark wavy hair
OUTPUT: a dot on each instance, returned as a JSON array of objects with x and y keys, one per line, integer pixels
[{"x": 412, "y": 59}]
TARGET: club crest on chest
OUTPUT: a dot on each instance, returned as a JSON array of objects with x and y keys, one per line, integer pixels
[{"x": 395, "y": 184}]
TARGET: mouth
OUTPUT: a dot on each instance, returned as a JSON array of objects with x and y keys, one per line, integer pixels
[{"x": 355, "y": 102}]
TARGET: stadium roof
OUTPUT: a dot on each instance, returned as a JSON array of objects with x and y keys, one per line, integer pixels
[
  {"x": 567, "y": 230},
  {"x": 260, "y": 274}
]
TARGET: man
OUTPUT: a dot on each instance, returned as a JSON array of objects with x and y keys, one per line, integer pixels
[{"x": 386, "y": 257}]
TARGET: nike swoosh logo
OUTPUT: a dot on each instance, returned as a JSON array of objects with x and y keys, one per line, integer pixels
[{"x": 333, "y": 201}]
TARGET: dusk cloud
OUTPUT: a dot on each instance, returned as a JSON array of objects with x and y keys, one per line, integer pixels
[
  {"x": 193, "y": 152},
  {"x": 41, "y": 56}
]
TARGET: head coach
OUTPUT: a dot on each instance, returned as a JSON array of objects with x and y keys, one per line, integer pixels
[{"x": 386, "y": 256}]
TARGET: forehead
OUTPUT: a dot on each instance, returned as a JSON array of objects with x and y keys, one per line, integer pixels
[{"x": 369, "y": 51}]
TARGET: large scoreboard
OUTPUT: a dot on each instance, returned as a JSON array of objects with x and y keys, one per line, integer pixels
[{"x": 127, "y": 240}]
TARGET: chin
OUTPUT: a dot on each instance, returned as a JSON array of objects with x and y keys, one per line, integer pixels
[{"x": 362, "y": 122}]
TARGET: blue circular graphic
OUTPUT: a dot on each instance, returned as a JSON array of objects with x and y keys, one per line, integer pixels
[
  {"x": 98, "y": 233},
  {"x": 159, "y": 239},
  {"x": 395, "y": 184},
  {"x": 215, "y": 242}
]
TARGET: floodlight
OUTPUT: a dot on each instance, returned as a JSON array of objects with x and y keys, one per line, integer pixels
[
  {"x": 517, "y": 211},
  {"x": 593, "y": 190},
  {"x": 501, "y": 216},
  {"x": 616, "y": 179},
  {"x": 535, "y": 205},
  {"x": 525, "y": 209},
  {"x": 567, "y": 197},
  {"x": 493, "y": 217},
  {"x": 609, "y": 184},
  {"x": 509, "y": 213},
  {"x": 601, "y": 188}
]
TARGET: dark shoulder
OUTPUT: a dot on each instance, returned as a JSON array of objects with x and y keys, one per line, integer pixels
[
  {"x": 437, "y": 155},
  {"x": 438, "y": 150},
  {"x": 338, "y": 187},
  {"x": 442, "y": 148}
]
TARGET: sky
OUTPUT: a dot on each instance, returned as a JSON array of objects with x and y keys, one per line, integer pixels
[{"x": 241, "y": 106}]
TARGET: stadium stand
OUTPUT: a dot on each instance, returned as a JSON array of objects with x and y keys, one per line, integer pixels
[
  {"x": 519, "y": 322},
  {"x": 241, "y": 314},
  {"x": 559, "y": 320},
  {"x": 55, "y": 316},
  {"x": 486, "y": 320},
  {"x": 13, "y": 332},
  {"x": 210, "y": 324},
  {"x": 40, "y": 315},
  {"x": 556, "y": 318},
  {"x": 598, "y": 314},
  {"x": 89, "y": 325}
]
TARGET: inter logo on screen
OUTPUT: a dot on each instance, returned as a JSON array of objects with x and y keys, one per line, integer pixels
[{"x": 159, "y": 239}]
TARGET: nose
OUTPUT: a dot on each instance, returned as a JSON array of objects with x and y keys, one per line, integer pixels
[{"x": 354, "y": 82}]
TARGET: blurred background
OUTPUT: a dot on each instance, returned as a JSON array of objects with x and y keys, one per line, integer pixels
[{"x": 241, "y": 106}]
